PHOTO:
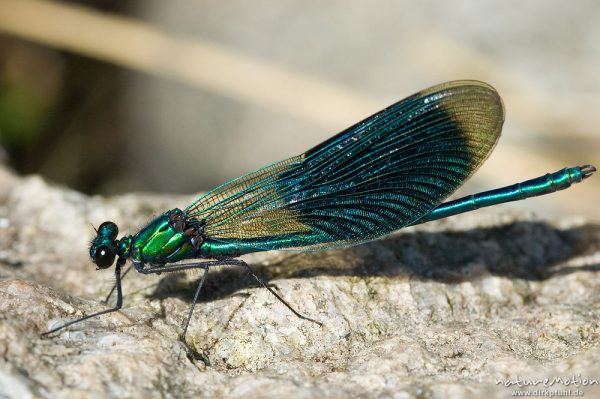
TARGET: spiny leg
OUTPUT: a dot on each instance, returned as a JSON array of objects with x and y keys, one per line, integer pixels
[
  {"x": 115, "y": 284},
  {"x": 272, "y": 291},
  {"x": 177, "y": 268},
  {"x": 206, "y": 265},
  {"x": 183, "y": 267},
  {"x": 118, "y": 306},
  {"x": 191, "y": 312}
]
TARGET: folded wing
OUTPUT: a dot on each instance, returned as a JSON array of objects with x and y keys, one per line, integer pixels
[{"x": 373, "y": 178}]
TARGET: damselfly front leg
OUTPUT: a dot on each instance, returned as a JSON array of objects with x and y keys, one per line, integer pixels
[{"x": 118, "y": 306}]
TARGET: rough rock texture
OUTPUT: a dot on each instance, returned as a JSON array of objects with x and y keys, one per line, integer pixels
[{"x": 446, "y": 309}]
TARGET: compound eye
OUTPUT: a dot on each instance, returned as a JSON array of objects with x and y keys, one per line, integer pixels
[{"x": 104, "y": 257}]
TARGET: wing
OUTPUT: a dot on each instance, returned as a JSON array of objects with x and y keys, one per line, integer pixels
[{"x": 375, "y": 177}]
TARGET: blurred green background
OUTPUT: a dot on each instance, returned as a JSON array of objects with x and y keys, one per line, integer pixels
[{"x": 117, "y": 96}]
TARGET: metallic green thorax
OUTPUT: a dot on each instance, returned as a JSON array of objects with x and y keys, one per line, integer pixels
[{"x": 164, "y": 240}]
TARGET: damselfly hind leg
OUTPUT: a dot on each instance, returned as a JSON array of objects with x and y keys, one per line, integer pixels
[
  {"x": 275, "y": 294},
  {"x": 206, "y": 265}
]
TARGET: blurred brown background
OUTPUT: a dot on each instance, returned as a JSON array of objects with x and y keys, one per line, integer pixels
[{"x": 112, "y": 96}]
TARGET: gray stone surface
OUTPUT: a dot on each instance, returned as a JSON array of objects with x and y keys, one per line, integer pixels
[{"x": 442, "y": 310}]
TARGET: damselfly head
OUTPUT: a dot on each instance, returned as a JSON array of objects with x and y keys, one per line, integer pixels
[{"x": 103, "y": 247}]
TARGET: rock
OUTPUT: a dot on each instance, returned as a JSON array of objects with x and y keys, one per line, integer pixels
[{"x": 472, "y": 306}]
